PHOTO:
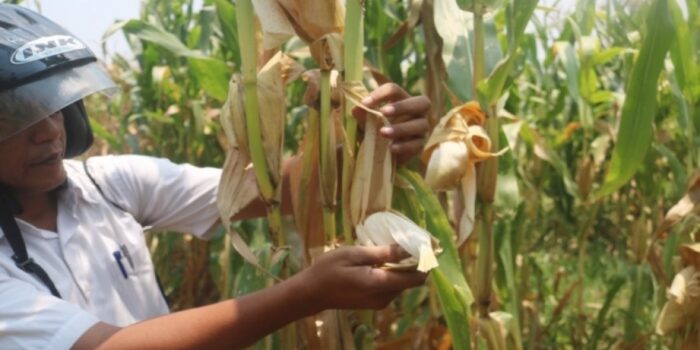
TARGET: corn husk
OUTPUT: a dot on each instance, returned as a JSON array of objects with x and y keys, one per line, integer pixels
[
  {"x": 391, "y": 227},
  {"x": 237, "y": 188},
  {"x": 276, "y": 27},
  {"x": 683, "y": 305},
  {"x": 328, "y": 51},
  {"x": 690, "y": 254},
  {"x": 371, "y": 192},
  {"x": 468, "y": 188},
  {"x": 313, "y": 19},
  {"x": 449, "y": 165},
  {"x": 685, "y": 206},
  {"x": 305, "y": 191},
  {"x": 371, "y": 188},
  {"x": 355, "y": 91},
  {"x": 312, "y": 78}
]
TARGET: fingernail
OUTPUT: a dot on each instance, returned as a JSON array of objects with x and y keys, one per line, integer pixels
[
  {"x": 388, "y": 109},
  {"x": 367, "y": 100},
  {"x": 386, "y": 130}
]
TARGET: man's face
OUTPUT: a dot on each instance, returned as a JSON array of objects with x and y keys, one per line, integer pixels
[{"x": 32, "y": 160}]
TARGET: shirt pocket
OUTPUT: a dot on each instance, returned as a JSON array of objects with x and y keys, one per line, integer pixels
[{"x": 131, "y": 246}]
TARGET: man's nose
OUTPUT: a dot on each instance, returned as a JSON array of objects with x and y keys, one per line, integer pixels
[{"x": 48, "y": 129}]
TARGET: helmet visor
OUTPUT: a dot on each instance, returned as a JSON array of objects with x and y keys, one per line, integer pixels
[{"x": 27, "y": 104}]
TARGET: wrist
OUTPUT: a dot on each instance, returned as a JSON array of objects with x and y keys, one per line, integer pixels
[{"x": 305, "y": 293}]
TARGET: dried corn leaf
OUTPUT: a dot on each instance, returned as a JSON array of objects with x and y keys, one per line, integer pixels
[
  {"x": 407, "y": 26},
  {"x": 239, "y": 136},
  {"x": 312, "y": 78},
  {"x": 313, "y": 19},
  {"x": 291, "y": 69},
  {"x": 690, "y": 253},
  {"x": 685, "y": 206},
  {"x": 329, "y": 168},
  {"x": 479, "y": 144},
  {"x": 276, "y": 27},
  {"x": 468, "y": 187},
  {"x": 271, "y": 96},
  {"x": 382, "y": 177},
  {"x": 371, "y": 188},
  {"x": 233, "y": 116},
  {"x": 362, "y": 177},
  {"x": 354, "y": 91},
  {"x": 305, "y": 191},
  {"x": 328, "y": 51},
  {"x": 237, "y": 190},
  {"x": 683, "y": 305}
]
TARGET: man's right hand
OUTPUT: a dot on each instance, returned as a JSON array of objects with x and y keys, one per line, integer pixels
[{"x": 351, "y": 278}]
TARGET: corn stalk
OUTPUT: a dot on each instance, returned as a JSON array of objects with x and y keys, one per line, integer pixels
[
  {"x": 328, "y": 162},
  {"x": 353, "y": 62},
  {"x": 249, "y": 56}
]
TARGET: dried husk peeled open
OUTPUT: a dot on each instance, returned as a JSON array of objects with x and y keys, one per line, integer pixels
[
  {"x": 371, "y": 192},
  {"x": 237, "y": 186},
  {"x": 683, "y": 306},
  {"x": 457, "y": 143},
  {"x": 319, "y": 23},
  {"x": 389, "y": 227}
]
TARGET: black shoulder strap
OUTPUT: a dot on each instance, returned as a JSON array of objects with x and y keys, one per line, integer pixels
[
  {"x": 99, "y": 188},
  {"x": 8, "y": 208}
]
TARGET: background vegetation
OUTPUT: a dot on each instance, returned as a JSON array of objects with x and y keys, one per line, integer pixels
[{"x": 600, "y": 149}]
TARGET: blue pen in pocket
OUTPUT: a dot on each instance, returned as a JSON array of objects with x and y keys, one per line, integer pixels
[{"x": 118, "y": 257}]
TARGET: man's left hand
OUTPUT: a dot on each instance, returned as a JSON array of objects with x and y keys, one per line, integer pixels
[{"x": 408, "y": 116}]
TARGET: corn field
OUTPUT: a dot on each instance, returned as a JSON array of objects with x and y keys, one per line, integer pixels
[{"x": 559, "y": 183}]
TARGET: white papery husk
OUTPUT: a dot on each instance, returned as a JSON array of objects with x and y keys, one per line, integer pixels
[
  {"x": 447, "y": 165},
  {"x": 456, "y": 144},
  {"x": 391, "y": 227}
]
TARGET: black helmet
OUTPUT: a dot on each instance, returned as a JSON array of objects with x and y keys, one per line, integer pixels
[{"x": 45, "y": 69}]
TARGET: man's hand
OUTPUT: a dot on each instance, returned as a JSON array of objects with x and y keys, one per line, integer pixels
[
  {"x": 350, "y": 278},
  {"x": 408, "y": 115}
]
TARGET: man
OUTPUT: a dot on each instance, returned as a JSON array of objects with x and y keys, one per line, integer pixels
[{"x": 74, "y": 268}]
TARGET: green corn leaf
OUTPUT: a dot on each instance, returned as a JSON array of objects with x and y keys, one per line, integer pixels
[
  {"x": 453, "y": 25},
  {"x": 682, "y": 51},
  {"x": 491, "y": 89},
  {"x": 159, "y": 36},
  {"x": 635, "y": 133},
  {"x": 453, "y": 291},
  {"x": 600, "y": 325},
  {"x": 522, "y": 12},
  {"x": 212, "y": 75}
]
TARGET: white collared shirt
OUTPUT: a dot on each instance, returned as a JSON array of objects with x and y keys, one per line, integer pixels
[{"x": 99, "y": 260}]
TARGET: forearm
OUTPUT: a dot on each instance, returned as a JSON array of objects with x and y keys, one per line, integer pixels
[{"x": 231, "y": 324}]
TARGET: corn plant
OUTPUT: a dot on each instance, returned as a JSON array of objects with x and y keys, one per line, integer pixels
[{"x": 558, "y": 181}]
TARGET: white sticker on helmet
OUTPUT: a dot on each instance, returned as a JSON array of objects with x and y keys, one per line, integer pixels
[{"x": 46, "y": 47}]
